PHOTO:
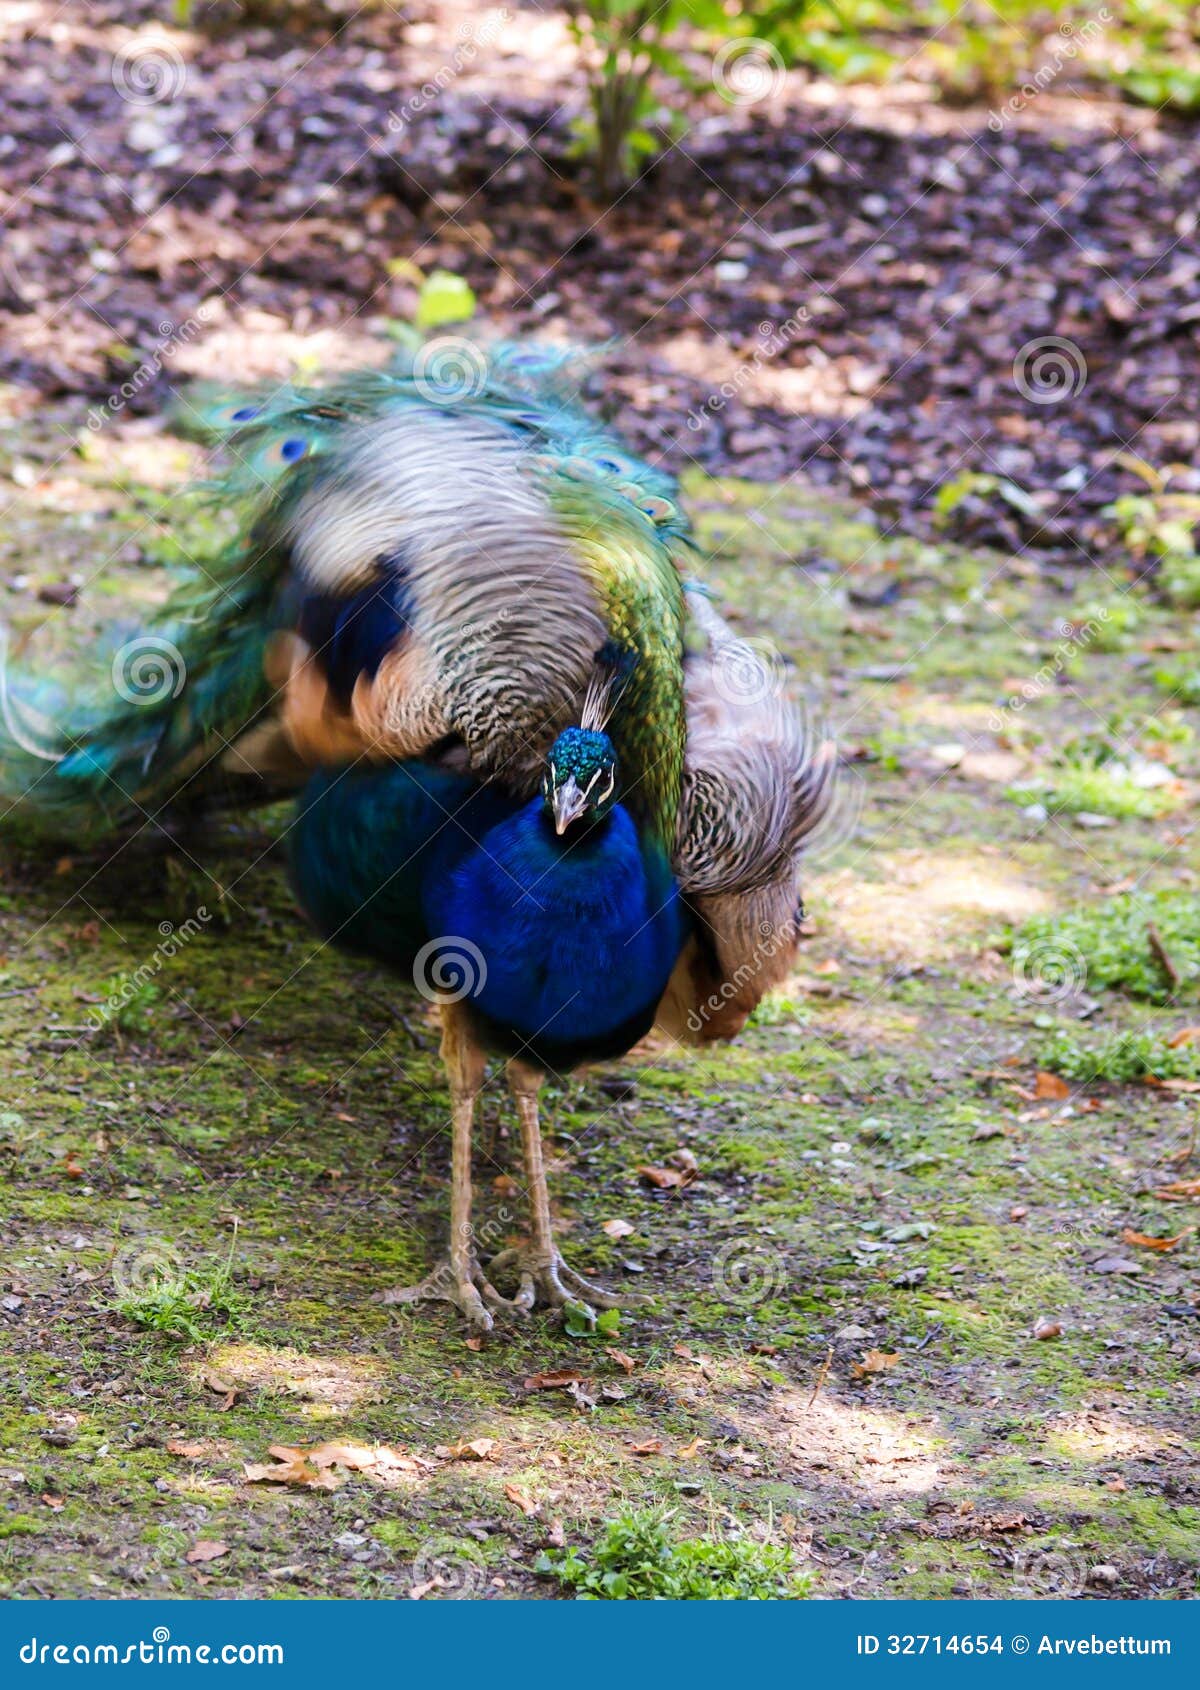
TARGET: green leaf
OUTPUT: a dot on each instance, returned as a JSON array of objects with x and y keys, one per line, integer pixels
[
  {"x": 444, "y": 298},
  {"x": 579, "y": 1321}
]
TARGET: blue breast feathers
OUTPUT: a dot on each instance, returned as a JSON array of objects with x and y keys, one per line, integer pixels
[
  {"x": 578, "y": 936},
  {"x": 573, "y": 939}
]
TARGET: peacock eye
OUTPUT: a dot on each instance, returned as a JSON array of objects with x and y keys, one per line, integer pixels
[
  {"x": 658, "y": 510},
  {"x": 244, "y": 413}
]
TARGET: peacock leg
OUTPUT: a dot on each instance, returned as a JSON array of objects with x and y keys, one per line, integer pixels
[
  {"x": 544, "y": 1279},
  {"x": 459, "y": 1279}
]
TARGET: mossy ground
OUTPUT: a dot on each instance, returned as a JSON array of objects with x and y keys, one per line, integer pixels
[{"x": 875, "y": 1171}]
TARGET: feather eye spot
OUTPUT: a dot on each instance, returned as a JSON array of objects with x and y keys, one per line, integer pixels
[
  {"x": 244, "y": 413},
  {"x": 290, "y": 451},
  {"x": 658, "y": 510}
]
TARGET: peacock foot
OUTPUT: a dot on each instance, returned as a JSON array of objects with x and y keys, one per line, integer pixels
[
  {"x": 548, "y": 1282},
  {"x": 464, "y": 1285}
]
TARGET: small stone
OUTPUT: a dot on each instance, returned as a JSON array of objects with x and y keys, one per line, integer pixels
[
  {"x": 1105, "y": 1573},
  {"x": 1044, "y": 1329}
]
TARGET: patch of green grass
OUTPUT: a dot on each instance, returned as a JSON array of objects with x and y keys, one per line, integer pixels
[
  {"x": 1113, "y": 939},
  {"x": 1120, "y": 1057},
  {"x": 193, "y": 1303},
  {"x": 1097, "y": 788},
  {"x": 638, "y": 1558},
  {"x": 1183, "y": 684}
]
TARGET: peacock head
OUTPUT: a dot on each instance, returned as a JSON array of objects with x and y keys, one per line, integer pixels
[{"x": 581, "y": 778}]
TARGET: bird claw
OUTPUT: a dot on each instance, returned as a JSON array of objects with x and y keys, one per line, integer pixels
[
  {"x": 471, "y": 1292},
  {"x": 552, "y": 1284}
]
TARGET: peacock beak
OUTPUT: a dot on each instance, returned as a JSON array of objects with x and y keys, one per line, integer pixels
[{"x": 570, "y": 801}]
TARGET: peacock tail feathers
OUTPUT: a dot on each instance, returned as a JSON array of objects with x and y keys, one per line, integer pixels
[{"x": 430, "y": 551}]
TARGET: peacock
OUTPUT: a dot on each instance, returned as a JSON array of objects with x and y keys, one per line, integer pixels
[{"x": 455, "y": 618}]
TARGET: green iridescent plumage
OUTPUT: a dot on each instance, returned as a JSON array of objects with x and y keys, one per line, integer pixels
[{"x": 379, "y": 440}]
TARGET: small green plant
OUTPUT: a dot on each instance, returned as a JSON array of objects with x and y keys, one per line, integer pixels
[
  {"x": 639, "y": 1558},
  {"x": 1161, "y": 526},
  {"x": 1183, "y": 684},
  {"x": 193, "y": 1303},
  {"x": 1117, "y": 941},
  {"x": 1119, "y": 1058},
  {"x": 1088, "y": 775}
]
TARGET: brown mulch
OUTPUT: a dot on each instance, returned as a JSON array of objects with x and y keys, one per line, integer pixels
[{"x": 864, "y": 275}]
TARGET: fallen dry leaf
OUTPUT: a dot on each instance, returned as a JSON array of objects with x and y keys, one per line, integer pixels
[
  {"x": 651, "y": 1446},
  {"x": 194, "y": 1451},
  {"x": 875, "y": 1361},
  {"x": 552, "y": 1381},
  {"x": 478, "y": 1449},
  {"x": 504, "y": 1185},
  {"x": 314, "y": 1467},
  {"x": 689, "y": 1450},
  {"x": 556, "y": 1537},
  {"x": 1145, "y": 1242},
  {"x": 1118, "y": 1484},
  {"x": 1185, "y": 1036},
  {"x": 1050, "y": 1085},
  {"x": 54, "y": 1503},
  {"x": 206, "y": 1549},
  {"x": 622, "y": 1360},
  {"x": 1179, "y": 1190},
  {"x": 617, "y": 1228},
  {"x": 290, "y": 1473},
  {"x": 666, "y": 1178},
  {"x": 525, "y": 1503},
  {"x": 474, "y": 1343}
]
